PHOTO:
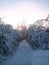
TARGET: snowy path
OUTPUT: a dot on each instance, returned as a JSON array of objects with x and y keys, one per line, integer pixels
[{"x": 25, "y": 56}]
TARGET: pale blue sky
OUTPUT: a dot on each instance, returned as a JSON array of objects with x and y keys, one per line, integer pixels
[
  {"x": 44, "y": 4},
  {"x": 30, "y": 9}
]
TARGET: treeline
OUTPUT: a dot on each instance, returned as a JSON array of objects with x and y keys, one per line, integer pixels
[{"x": 37, "y": 37}]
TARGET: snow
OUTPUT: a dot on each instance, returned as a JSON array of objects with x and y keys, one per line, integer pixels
[
  {"x": 26, "y": 56},
  {"x": 38, "y": 35},
  {"x": 8, "y": 39}
]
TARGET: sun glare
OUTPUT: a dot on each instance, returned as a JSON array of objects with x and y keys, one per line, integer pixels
[{"x": 31, "y": 13}]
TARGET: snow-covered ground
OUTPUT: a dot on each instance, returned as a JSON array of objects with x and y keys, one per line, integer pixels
[{"x": 26, "y": 56}]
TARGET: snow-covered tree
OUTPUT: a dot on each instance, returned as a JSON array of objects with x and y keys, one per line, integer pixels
[
  {"x": 38, "y": 36},
  {"x": 8, "y": 39}
]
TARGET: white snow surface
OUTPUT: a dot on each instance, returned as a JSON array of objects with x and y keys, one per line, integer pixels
[{"x": 26, "y": 56}]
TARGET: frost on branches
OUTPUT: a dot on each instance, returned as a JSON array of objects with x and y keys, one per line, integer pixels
[
  {"x": 8, "y": 39},
  {"x": 38, "y": 37}
]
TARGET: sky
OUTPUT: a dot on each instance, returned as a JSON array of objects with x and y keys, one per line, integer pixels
[{"x": 18, "y": 11}]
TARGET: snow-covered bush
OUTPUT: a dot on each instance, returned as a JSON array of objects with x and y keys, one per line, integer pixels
[
  {"x": 38, "y": 36},
  {"x": 8, "y": 39}
]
